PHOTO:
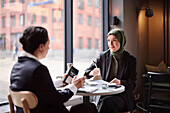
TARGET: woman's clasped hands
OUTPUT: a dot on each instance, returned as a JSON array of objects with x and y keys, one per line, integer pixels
[{"x": 117, "y": 81}]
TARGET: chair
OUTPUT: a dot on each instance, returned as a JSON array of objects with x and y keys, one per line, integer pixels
[
  {"x": 24, "y": 99},
  {"x": 158, "y": 91}
]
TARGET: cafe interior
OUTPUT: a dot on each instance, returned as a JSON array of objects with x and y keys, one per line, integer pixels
[{"x": 146, "y": 25}]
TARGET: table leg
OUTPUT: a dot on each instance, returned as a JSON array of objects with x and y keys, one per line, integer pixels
[{"x": 86, "y": 99}]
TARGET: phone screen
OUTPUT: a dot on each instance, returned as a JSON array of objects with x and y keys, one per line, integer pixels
[{"x": 71, "y": 73}]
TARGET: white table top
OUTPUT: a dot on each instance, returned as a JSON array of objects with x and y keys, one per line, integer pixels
[
  {"x": 108, "y": 91},
  {"x": 101, "y": 91}
]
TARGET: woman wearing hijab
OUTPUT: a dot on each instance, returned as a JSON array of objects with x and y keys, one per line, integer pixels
[{"x": 117, "y": 66}]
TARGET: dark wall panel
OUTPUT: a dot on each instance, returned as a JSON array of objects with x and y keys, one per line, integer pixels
[{"x": 156, "y": 33}]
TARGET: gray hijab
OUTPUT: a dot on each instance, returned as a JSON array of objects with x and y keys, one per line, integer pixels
[{"x": 120, "y": 36}]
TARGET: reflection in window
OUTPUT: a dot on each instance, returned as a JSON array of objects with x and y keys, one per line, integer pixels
[
  {"x": 3, "y": 22},
  {"x": 13, "y": 21}
]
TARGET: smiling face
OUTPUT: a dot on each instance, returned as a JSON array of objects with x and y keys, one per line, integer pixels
[{"x": 113, "y": 43}]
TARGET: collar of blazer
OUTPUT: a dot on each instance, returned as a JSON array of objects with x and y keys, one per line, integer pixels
[{"x": 122, "y": 66}]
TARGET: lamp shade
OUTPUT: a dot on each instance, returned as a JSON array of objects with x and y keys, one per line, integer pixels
[
  {"x": 115, "y": 21},
  {"x": 149, "y": 12}
]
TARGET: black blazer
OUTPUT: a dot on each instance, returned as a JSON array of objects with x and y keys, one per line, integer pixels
[
  {"x": 126, "y": 73},
  {"x": 30, "y": 75}
]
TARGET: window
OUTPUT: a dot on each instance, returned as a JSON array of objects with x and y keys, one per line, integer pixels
[
  {"x": 3, "y": 22},
  {"x": 12, "y": 1},
  {"x": 84, "y": 48},
  {"x": 43, "y": 19},
  {"x": 89, "y": 2},
  {"x": 13, "y": 21},
  {"x": 62, "y": 15},
  {"x": 96, "y": 43},
  {"x": 17, "y": 17},
  {"x": 33, "y": 19},
  {"x": 37, "y": 15},
  {"x": 80, "y": 4},
  {"x": 96, "y": 3},
  {"x": 80, "y": 43},
  {"x": 80, "y": 19},
  {"x": 89, "y": 43},
  {"x": 3, "y": 42},
  {"x": 14, "y": 39},
  {"x": 53, "y": 17},
  {"x": 3, "y": 3},
  {"x": 22, "y": 1},
  {"x": 89, "y": 20},
  {"x": 22, "y": 20},
  {"x": 96, "y": 22}
]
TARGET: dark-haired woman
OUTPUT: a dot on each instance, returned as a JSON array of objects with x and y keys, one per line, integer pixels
[
  {"x": 117, "y": 66},
  {"x": 28, "y": 74}
]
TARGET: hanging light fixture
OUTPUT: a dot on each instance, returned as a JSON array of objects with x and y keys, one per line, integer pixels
[{"x": 115, "y": 21}]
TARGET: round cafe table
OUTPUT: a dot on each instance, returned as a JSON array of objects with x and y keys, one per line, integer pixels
[{"x": 87, "y": 91}]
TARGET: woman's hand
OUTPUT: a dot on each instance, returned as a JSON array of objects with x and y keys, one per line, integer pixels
[
  {"x": 64, "y": 78},
  {"x": 95, "y": 72},
  {"x": 117, "y": 81},
  {"x": 78, "y": 82}
]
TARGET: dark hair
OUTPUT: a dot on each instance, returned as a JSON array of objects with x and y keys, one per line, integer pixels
[{"x": 32, "y": 37}]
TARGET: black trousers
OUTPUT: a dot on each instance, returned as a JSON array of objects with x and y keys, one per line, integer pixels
[
  {"x": 112, "y": 104},
  {"x": 84, "y": 108}
]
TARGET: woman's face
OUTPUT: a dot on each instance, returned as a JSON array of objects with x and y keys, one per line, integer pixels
[
  {"x": 113, "y": 43},
  {"x": 45, "y": 49}
]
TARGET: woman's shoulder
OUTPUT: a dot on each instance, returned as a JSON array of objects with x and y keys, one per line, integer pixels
[
  {"x": 107, "y": 52},
  {"x": 129, "y": 55},
  {"x": 29, "y": 62}
]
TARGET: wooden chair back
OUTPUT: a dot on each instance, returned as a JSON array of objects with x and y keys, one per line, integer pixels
[{"x": 24, "y": 99}]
